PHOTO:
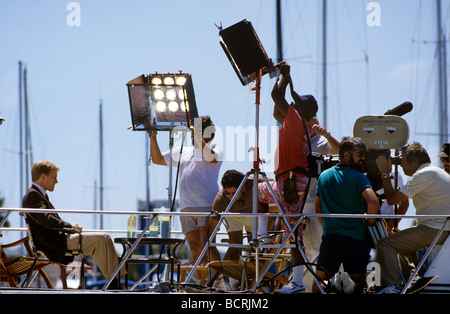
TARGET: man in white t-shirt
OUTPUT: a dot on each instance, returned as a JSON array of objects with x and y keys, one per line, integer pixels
[
  {"x": 429, "y": 188},
  {"x": 199, "y": 174}
]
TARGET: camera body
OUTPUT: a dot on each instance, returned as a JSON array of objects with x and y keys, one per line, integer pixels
[
  {"x": 317, "y": 163},
  {"x": 381, "y": 135}
]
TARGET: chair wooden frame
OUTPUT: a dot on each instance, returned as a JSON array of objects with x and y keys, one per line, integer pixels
[
  {"x": 12, "y": 269},
  {"x": 38, "y": 254}
]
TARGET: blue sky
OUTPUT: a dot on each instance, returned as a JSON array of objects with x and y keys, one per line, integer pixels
[{"x": 70, "y": 68}]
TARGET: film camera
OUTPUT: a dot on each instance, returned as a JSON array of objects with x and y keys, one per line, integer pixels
[{"x": 382, "y": 134}]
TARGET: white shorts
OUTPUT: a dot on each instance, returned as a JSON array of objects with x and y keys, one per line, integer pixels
[
  {"x": 191, "y": 223},
  {"x": 237, "y": 223}
]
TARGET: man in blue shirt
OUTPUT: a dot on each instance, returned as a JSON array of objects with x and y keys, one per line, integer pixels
[{"x": 344, "y": 189}]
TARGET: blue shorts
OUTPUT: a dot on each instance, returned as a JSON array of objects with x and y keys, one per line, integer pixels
[{"x": 336, "y": 249}]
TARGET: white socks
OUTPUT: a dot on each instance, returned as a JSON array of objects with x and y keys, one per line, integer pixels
[{"x": 297, "y": 275}]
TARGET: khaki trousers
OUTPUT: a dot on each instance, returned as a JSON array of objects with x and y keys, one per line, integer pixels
[
  {"x": 406, "y": 243},
  {"x": 102, "y": 249}
]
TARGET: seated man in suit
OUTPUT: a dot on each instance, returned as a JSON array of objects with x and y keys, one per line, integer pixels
[{"x": 54, "y": 243}]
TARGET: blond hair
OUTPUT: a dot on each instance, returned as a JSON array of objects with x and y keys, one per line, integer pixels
[{"x": 42, "y": 167}]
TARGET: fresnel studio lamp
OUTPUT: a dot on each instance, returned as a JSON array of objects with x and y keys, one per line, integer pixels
[{"x": 162, "y": 101}]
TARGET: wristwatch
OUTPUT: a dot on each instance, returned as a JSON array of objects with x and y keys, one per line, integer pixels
[{"x": 385, "y": 176}]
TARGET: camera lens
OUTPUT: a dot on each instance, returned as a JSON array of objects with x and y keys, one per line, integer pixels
[{"x": 397, "y": 160}]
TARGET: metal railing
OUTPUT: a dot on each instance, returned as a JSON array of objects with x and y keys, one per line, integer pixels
[{"x": 153, "y": 214}]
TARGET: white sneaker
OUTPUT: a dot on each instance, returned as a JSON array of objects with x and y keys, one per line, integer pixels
[
  {"x": 343, "y": 283},
  {"x": 390, "y": 289},
  {"x": 291, "y": 288},
  {"x": 219, "y": 284}
]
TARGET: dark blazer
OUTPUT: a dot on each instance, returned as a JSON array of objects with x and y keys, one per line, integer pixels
[{"x": 52, "y": 242}]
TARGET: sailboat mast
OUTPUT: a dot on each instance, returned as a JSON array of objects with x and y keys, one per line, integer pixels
[
  {"x": 28, "y": 149},
  {"x": 101, "y": 160},
  {"x": 20, "y": 134},
  {"x": 279, "y": 33},
  {"x": 25, "y": 148},
  {"x": 324, "y": 61},
  {"x": 442, "y": 78}
]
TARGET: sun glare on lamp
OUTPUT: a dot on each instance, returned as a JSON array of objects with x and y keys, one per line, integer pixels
[
  {"x": 158, "y": 94},
  {"x": 183, "y": 106},
  {"x": 156, "y": 81},
  {"x": 173, "y": 106},
  {"x": 181, "y": 80},
  {"x": 160, "y": 106},
  {"x": 171, "y": 94},
  {"x": 168, "y": 80}
]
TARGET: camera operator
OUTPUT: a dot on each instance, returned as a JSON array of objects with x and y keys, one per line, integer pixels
[
  {"x": 386, "y": 209},
  {"x": 429, "y": 188}
]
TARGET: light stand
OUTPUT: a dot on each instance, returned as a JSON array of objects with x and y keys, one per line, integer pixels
[
  {"x": 255, "y": 243},
  {"x": 243, "y": 62},
  {"x": 163, "y": 102}
]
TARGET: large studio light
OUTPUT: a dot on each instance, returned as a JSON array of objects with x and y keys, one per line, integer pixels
[
  {"x": 162, "y": 101},
  {"x": 245, "y": 52}
]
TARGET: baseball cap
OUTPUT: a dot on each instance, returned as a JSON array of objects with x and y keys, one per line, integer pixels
[
  {"x": 307, "y": 104},
  {"x": 445, "y": 150}
]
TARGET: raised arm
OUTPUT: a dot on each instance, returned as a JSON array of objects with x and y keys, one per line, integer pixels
[
  {"x": 278, "y": 93},
  {"x": 392, "y": 196},
  {"x": 157, "y": 157}
]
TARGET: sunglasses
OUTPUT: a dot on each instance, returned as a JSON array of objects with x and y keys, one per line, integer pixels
[
  {"x": 225, "y": 192},
  {"x": 360, "y": 153}
]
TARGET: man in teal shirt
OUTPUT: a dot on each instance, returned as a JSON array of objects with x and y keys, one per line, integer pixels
[{"x": 344, "y": 189}]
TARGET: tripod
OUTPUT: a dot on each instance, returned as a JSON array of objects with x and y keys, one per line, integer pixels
[{"x": 255, "y": 243}]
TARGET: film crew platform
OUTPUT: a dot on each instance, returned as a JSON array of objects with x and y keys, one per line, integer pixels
[{"x": 433, "y": 260}]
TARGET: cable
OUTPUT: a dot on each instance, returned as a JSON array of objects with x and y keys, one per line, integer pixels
[
  {"x": 327, "y": 285},
  {"x": 178, "y": 171}
]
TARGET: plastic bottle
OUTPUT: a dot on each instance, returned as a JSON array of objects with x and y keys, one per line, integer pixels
[
  {"x": 154, "y": 228},
  {"x": 131, "y": 226},
  {"x": 164, "y": 222}
]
